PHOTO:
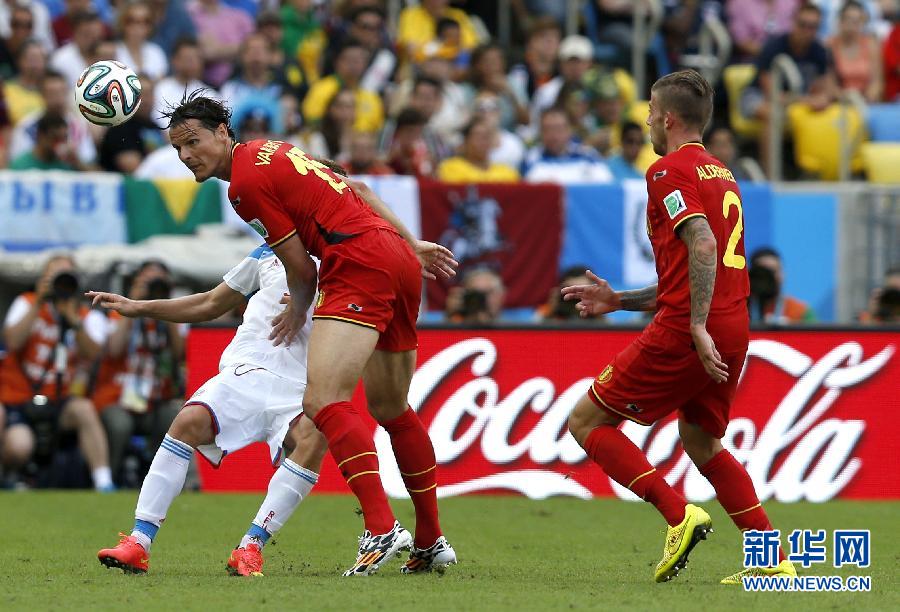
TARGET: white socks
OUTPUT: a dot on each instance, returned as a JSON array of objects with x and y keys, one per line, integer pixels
[
  {"x": 287, "y": 488},
  {"x": 162, "y": 484},
  {"x": 102, "y": 477}
]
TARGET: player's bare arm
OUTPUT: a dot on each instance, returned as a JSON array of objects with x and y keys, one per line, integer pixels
[
  {"x": 702, "y": 257},
  {"x": 436, "y": 260},
  {"x": 301, "y": 274},
  {"x": 599, "y": 298},
  {"x": 195, "y": 308}
]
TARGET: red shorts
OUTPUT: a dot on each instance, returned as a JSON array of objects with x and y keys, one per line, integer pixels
[
  {"x": 373, "y": 280},
  {"x": 660, "y": 373}
]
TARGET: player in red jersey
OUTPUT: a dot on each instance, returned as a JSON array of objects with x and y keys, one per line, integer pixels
[
  {"x": 369, "y": 288},
  {"x": 689, "y": 358}
]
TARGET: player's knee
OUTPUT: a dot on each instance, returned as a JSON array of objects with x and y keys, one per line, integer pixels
[
  {"x": 313, "y": 403},
  {"x": 193, "y": 426},
  {"x": 585, "y": 417},
  {"x": 699, "y": 445}
]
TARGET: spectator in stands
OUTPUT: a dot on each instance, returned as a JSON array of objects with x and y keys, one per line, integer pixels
[
  {"x": 255, "y": 124},
  {"x": 428, "y": 98},
  {"x": 220, "y": 32},
  {"x": 52, "y": 149},
  {"x": 559, "y": 159},
  {"x": 57, "y": 96},
  {"x": 41, "y": 28},
  {"x": 62, "y": 24},
  {"x": 187, "y": 69},
  {"x": 752, "y": 22},
  {"x": 362, "y": 157},
  {"x": 879, "y": 14},
  {"x": 408, "y": 152},
  {"x": 473, "y": 164},
  {"x": 767, "y": 302},
  {"x": 448, "y": 45},
  {"x": 125, "y": 146},
  {"x": 720, "y": 144},
  {"x": 72, "y": 58},
  {"x": 21, "y": 24},
  {"x": 446, "y": 109},
  {"x": 615, "y": 24},
  {"x": 171, "y": 23},
  {"x": 44, "y": 330},
  {"x": 349, "y": 67},
  {"x": 811, "y": 57},
  {"x": 418, "y": 26},
  {"x": 134, "y": 49},
  {"x": 558, "y": 310},
  {"x": 138, "y": 387},
  {"x": 303, "y": 36},
  {"x": 292, "y": 75},
  {"x": 488, "y": 75},
  {"x": 576, "y": 55},
  {"x": 624, "y": 165},
  {"x": 337, "y": 124},
  {"x": 883, "y": 309},
  {"x": 478, "y": 299},
  {"x": 507, "y": 148},
  {"x": 257, "y": 85},
  {"x": 857, "y": 54},
  {"x": 891, "y": 57},
  {"x": 366, "y": 25},
  {"x": 539, "y": 63},
  {"x": 23, "y": 92},
  {"x": 605, "y": 112}
]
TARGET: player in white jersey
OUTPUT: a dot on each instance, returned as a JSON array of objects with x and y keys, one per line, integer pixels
[{"x": 256, "y": 397}]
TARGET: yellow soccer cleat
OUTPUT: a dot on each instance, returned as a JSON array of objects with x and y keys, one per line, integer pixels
[
  {"x": 785, "y": 568},
  {"x": 680, "y": 540}
]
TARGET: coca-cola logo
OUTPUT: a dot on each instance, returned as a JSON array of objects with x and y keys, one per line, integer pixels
[{"x": 799, "y": 452}]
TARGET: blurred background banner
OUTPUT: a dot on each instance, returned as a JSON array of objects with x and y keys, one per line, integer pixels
[
  {"x": 41, "y": 210},
  {"x": 496, "y": 410},
  {"x": 516, "y": 230},
  {"x": 170, "y": 206}
]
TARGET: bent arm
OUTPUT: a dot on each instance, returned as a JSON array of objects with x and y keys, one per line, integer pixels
[
  {"x": 701, "y": 245},
  {"x": 194, "y": 308},
  {"x": 366, "y": 193},
  {"x": 638, "y": 299},
  {"x": 16, "y": 336}
]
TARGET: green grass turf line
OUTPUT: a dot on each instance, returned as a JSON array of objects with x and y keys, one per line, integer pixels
[{"x": 515, "y": 554}]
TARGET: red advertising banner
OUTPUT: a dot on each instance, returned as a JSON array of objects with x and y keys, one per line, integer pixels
[
  {"x": 504, "y": 227},
  {"x": 815, "y": 415}
]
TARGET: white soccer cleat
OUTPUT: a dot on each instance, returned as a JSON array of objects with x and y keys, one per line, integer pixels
[
  {"x": 375, "y": 550},
  {"x": 434, "y": 558}
]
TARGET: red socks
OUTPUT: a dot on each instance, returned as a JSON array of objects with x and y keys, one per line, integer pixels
[
  {"x": 415, "y": 458},
  {"x": 353, "y": 450},
  {"x": 736, "y": 494},
  {"x": 626, "y": 464}
]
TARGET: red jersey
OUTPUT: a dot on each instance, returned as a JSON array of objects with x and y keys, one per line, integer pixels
[
  {"x": 280, "y": 192},
  {"x": 691, "y": 183}
]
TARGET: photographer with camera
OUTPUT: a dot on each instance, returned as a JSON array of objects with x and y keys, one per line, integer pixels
[
  {"x": 479, "y": 298},
  {"x": 767, "y": 303},
  {"x": 558, "y": 310},
  {"x": 49, "y": 335},
  {"x": 138, "y": 385}
]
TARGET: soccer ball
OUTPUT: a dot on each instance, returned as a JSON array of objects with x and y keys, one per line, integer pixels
[{"x": 108, "y": 93}]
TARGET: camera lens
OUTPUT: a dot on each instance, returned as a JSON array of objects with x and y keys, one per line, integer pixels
[
  {"x": 159, "y": 289},
  {"x": 64, "y": 286}
]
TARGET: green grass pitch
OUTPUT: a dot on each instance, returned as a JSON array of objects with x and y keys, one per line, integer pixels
[{"x": 515, "y": 554}]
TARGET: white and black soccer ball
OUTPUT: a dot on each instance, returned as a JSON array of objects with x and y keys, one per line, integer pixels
[{"x": 108, "y": 93}]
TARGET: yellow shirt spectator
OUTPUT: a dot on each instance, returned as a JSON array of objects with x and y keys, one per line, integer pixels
[
  {"x": 21, "y": 101},
  {"x": 369, "y": 110},
  {"x": 417, "y": 27},
  {"x": 460, "y": 170}
]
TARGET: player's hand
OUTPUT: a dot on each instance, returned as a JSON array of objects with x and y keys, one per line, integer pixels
[
  {"x": 709, "y": 355},
  {"x": 286, "y": 324},
  {"x": 437, "y": 261},
  {"x": 593, "y": 300},
  {"x": 114, "y": 301}
]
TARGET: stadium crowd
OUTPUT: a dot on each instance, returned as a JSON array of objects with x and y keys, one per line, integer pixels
[{"x": 436, "y": 97}]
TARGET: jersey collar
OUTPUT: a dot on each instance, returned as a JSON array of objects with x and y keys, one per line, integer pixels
[{"x": 693, "y": 143}]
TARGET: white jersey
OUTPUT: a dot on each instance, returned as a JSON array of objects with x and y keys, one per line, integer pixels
[{"x": 261, "y": 278}]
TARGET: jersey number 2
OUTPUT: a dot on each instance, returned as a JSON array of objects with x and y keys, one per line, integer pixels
[
  {"x": 304, "y": 164},
  {"x": 730, "y": 258}
]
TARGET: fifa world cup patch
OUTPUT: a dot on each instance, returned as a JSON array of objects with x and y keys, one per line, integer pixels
[
  {"x": 258, "y": 226},
  {"x": 675, "y": 203},
  {"x": 605, "y": 375}
]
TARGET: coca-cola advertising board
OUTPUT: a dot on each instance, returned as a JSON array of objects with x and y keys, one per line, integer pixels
[{"x": 815, "y": 416}]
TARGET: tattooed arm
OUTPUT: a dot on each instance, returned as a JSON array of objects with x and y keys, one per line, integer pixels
[
  {"x": 638, "y": 299},
  {"x": 598, "y": 298},
  {"x": 702, "y": 258}
]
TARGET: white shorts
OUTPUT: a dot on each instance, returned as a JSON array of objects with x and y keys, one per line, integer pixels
[{"x": 248, "y": 404}]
